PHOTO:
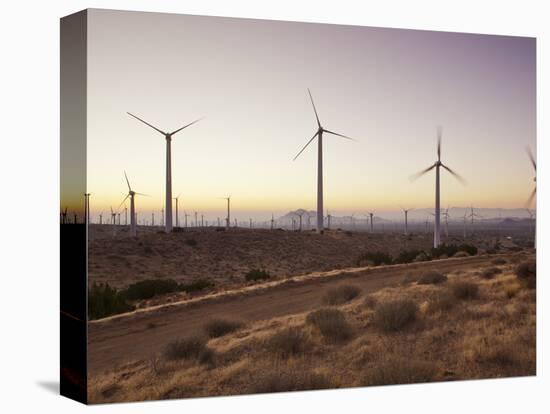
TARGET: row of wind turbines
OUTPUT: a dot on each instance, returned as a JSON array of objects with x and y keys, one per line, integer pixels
[{"x": 319, "y": 134}]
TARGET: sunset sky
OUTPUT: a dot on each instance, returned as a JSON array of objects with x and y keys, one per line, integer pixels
[{"x": 387, "y": 88}]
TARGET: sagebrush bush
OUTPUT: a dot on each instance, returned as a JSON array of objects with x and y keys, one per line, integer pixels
[
  {"x": 288, "y": 342},
  {"x": 399, "y": 370},
  {"x": 374, "y": 259},
  {"x": 432, "y": 278},
  {"x": 103, "y": 301},
  {"x": 215, "y": 328},
  {"x": 408, "y": 256},
  {"x": 527, "y": 273},
  {"x": 441, "y": 301},
  {"x": 146, "y": 289},
  {"x": 341, "y": 294},
  {"x": 196, "y": 285},
  {"x": 256, "y": 274},
  {"x": 394, "y": 315},
  {"x": 490, "y": 272},
  {"x": 191, "y": 348},
  {"x": 331, "y": 323},
  {"x": 465, "y": 290}
]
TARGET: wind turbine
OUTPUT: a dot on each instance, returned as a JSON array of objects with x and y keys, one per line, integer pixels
[
  {"x": 437, "y": 165},
  {"x": 113, "y": 216},
  {"x": 168, "y": 137},
  {"x": 185, "y": 215},
  {"x": 177, "y": 214},
  {"x": 464, "y": 228},
  {"x": 101, "y": 218},
  {"x": 272, "y": 220},
  {"x": 406, "y": 211},
  {"x": 300, "y": 214},
  {"x": 329, "y": 219},
  {"x": 472, "y": 215},
  {"x": 446, "y": 215},
  {"x": 64, "y": 216},
  {"x": 87, "y": 207},
  {"x": 534, "y": 192},
  {"x": 371, "y": 215},
  {"x": 133, "y": 214},
  {"x": 319, "y": 135},
  {"x": 228, "y": 219}
]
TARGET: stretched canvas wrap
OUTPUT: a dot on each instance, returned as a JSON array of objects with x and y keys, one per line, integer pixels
[{"x": 252, "y": 206}]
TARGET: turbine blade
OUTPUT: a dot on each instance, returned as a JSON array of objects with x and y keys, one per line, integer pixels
[
  {"x": 305, "y": 146},
  {"x": 531, "y": 157},
  {"x": 421, "y": 173},
  {"x": 314, "y": 109},
  {"x": 146, "y": 123},
  {"x": 439, "y": 134},
  {"x": 185, "y": 126},
  {"x": 127, "y": 182},
  {"x": 141, "y": 194},
  {"x": 531, "y": 197},
  {"x": 123, "y": 201},
  {"x": 340, "y": 135},
  {"x": 457, "y": 176}
]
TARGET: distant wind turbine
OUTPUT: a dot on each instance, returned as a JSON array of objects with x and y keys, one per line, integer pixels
[
  {"x": 133, "y": 215},
  {"x": 406, "y": 211},
  {"x": 168, "y": 137},
  {"x": 371, "y": 215},
  {"x": 319, "y": 134},
  {"x": 534, "y": 192},
  {"x": 437, "y": 165},
  {"x": 177, "y": 214}
]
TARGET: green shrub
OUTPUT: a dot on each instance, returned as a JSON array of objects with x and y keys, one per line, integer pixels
[
  {"x": 195, "y": 286},
  {"x": 103, "y": 301},
  {"x": 288, "y": 342},
  {"x": 432, "y": 278},
  {"x": 146, "y": 289},
  {"x": 341, "y": 294},
  {"x": 451, "y": 250},
  {"x": 331, "y": 323},
  {"x": 374, "y": 259},
  {"x": 219, "y": 327},
  {"x": 395, "y": 315},
  {"x": 256, "y": 274},
  {"x": 465, "y": 290},
  {"x": 408, "y": 256}
]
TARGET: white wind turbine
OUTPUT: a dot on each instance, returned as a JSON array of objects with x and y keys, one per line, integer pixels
[
  {"x": 133, "y": 214},
  {"x": 319, "y": 135},
  {"x": 437, "y": 165},
  {"x": 168, "y": 137},
  {"x": 534, "y": 192},
  {"x": 177, "y": 212},
  {"x": 406, "y": 211}
]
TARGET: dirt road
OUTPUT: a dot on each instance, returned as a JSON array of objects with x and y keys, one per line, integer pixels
[{"x": 140, "y": 335}]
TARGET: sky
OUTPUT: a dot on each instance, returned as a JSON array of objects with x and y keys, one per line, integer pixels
[{"x": 388, "y": 89}]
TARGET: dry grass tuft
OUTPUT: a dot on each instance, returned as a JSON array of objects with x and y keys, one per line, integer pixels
[
  {"x": 465, "y": 290},
  {"x": 341, "y": 294},
  {"x": 191, "y": 348},
  {"x": 432, "y": 278},
  {"x": 498, "y": 261},
  {"x": 331, "y": 323},
  {"x": 283, "y": 377},
  {"x": 220, "y": 327},
  {"x": 491, "y": 272},
  {"x": 440, "y": 301},
  {"x": 394, "y": 315},
  {"x": 289, "y": 342},
  {"x": 527, "y": 273}
]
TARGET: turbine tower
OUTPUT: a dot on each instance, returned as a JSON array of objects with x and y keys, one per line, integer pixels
[
  {"x": 534, "y": 192},
  {"x": 177, "y": 213},
  {"x": 319, "y": 135},
  {"x": 133, "y": 215},
  {"x": 228, "y": 219},
  {"x": 406, "y": 211},
  {"x": 168, "y": 137},
  {"x": 437, "y": 165},
  {"x": 371, "y": 215}
]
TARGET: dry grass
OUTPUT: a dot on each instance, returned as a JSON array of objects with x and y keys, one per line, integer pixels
[
  {"x": 341, "y": 294},
  {"x": 491, "y": 272},
  {"x": 490, "y": 337},
  {"x": 526, "y": 272},
  {"x": 331, "y": 323},
  {"x": 395, "y": 315},
  {"x": 465, "y": 290},
  {"x": 192, "y": 348}
]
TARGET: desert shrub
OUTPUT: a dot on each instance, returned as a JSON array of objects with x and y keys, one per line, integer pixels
[
  {"x": 511, "y": 290},
  {"x": 341, "y": 294},
  {"x": 465, "y": 290},
  {"x": 394, "y": 315},
  {"x": 452, "y": 249},
  {"x": 490, "y": 272},
  {"x": 461, "y": 254},
  {"x": 281, "y": 378},
  {"x": 103, "y": 301},
  {"x": 331, "y": 323},
  {"x": 408, "y": 256},
  {"x": 432, "y": 278},
  {"x": 498, "y": 261},
  {"x": 195, "y": 286},
  {"x": 191, "y": 242},
  {"x": 527, "y": 273},
  {"x": 399, "y": 371},
  {"x": 215, "y": 328},
  {"x": 374, "y": 258},
  {"x": 256, "y": 274},
  {"x": 440, "y": 301},
  {"x": 146, "y": 289},
  {"x": 288, "y": 342},
  {"x": 422, "y": 257},
  {"x": 191, "y": 348},
  {"x": 370, "y": 301}
]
